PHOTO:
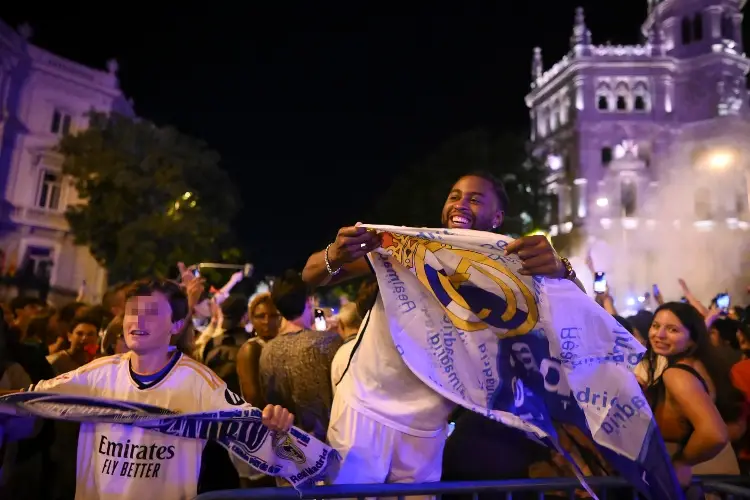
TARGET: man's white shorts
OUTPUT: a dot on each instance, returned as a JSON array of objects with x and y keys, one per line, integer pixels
[{"x": 374, "y": 453}]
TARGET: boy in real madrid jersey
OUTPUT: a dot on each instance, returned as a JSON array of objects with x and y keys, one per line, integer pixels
[{"x": 121, "y": 461}]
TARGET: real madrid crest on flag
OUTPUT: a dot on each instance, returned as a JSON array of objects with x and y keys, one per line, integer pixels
[
  {"x": 476, "y": 291},
  {"x": 516, "y": 348}
]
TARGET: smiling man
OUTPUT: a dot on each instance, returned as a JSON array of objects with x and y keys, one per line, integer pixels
[
  {"x": 387, "y": 424},
  {"x": 122, "y": 461}
]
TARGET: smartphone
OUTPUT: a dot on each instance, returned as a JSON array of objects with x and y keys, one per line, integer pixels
[
  {"x": 197, "y": 272},
  {"x": 722, "y": 302},
  {"x": 656, "y": 291},
  {"x": 320, "y": 320},
  {"x": 247, "y": 270},
  {"x": 600, "y": 283}
]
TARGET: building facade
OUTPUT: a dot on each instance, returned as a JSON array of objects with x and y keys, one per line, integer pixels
[
  {"x": 43, "y": 97},
  {"x": 649, "y": 165}
]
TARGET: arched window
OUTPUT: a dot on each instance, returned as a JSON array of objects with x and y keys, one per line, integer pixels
[
  {"x": 628, "y": 197},
  {"x": 603, "y": 97},
  {"x": 687, "y": 30},
  {"x": 641, "y": 100},
  {"x": 602, "y": 102},
  {"x": 622, "y": 93},
  {"x": 698, "y": 27},
  {"x": 703, "y": 204}
]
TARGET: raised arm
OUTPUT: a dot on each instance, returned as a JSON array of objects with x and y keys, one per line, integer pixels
[{"x": 343, "y": 259}]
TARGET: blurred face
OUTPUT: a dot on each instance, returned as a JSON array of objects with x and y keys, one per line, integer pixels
[
  {"x": 472, "y": 204},
  {"x": 266, "y": 320},
  {"x": 715, "y": 337},
  {"x": 743, "y": 341},
  {"x": 82, "y": 335},
  {"x": 667, "y": 335},
  {"x": 147, "y": 323}
]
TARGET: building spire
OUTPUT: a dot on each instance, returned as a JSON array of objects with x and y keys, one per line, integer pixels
[
  {"x": 581, "y": 35},
  {"x": 537, "y": 66}
]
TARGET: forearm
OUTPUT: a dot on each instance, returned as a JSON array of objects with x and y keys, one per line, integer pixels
[
  {"x": 316, "y": 273},
  {"x": 701, "y": 447},
  {"x": 696, "y": 303}
]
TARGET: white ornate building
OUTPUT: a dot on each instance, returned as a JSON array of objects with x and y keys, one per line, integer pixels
[
  {"x": 649, "y": 161},
  {"x": 42, "y": 97}
]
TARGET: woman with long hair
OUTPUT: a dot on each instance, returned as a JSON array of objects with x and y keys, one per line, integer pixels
[{"x": 693, "y": 396}]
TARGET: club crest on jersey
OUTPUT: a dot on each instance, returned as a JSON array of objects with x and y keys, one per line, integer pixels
[
  {"x": 232, "y": 398},
  {"x": 285, "y": 448},
  {"x": 476, "y": 292}
]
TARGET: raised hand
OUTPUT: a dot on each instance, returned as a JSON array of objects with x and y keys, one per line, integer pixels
[
  {"x": 352, "y": 243},
  {"x": 537, "y": 256}
]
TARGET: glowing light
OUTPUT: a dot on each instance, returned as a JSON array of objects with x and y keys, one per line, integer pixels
[
  {"x": 720, "y": 160},
  {"x": 641, "y": 299},
  {"x": 187, "y": 195},
  {"x": 602, "y": 202},
  {"x": 631, "y": 301}
]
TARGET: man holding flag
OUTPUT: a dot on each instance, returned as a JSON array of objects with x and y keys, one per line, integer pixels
[{"x": 386, "y": 423}]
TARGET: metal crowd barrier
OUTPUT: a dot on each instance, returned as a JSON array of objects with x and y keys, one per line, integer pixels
[{"x": 726, "y": 487}]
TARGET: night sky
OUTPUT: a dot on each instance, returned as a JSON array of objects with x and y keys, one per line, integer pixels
[{"x": 315, "y": 106}]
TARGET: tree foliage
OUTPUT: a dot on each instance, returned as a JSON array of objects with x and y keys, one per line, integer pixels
[
  {"x": 417, "y": 195},
  {"x": 149, "y": 196}
]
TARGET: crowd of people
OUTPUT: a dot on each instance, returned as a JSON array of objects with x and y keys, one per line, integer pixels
[{"x": 171, "y": 344}]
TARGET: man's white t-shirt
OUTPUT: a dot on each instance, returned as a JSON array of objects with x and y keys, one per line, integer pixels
[
  {"x": 340, "y": 360},
  {"x": 121, "y": 461},
  {"x": 379, "y": 385}
]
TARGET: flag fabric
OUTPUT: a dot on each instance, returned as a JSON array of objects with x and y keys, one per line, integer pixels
[
  {"x": 526, "y": 351},
  {"x": 296, "y": 456}
]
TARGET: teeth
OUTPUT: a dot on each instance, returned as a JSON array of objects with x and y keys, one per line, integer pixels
[{"x": 460, "y": 220}]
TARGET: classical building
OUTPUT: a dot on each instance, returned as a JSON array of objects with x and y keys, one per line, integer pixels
[
  {"x": 42, "y": 97},
  {"x": 647, "y": 150}
]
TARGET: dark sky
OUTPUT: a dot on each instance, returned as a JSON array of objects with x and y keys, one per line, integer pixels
[{"x": 314, "y": 106}]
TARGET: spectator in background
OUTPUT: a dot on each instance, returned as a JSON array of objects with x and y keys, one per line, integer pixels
[
  {"x": 84, "y": 331},
  {"x": 60, "y": 325},
  {"x": 36, "y": 334},
  {"x": 222, "y": 351},
  {"x": 23, "y": 309},
  {"x": 349, "y": 323},
  {"x": 723, "y": 334},
  {"x": 20, "y": 474},
  {"x": 266, "y": 321},
  {"x": 295, "y": 367},
  {"x": 693, "y": 399}
]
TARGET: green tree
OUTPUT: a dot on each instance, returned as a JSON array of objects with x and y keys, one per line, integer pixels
[
  {"x": 149, "y": 196},
  {"x": 417, "y": 195}
]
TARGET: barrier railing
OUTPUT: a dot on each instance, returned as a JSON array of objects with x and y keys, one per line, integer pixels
[{"x": 727, "y": 487}]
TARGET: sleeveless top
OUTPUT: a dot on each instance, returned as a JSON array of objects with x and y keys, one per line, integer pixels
[{"x": 656, "y": 394}]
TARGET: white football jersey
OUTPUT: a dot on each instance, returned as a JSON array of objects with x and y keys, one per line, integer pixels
[{"x": 121, "y": 461}]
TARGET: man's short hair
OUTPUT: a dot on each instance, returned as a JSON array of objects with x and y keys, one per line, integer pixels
[
  {"x": 290, "y": 294},
  {"x": 174, "y": 294},
  {"x": 497, "y": 186},
  {"x": 234, "y": 308}
]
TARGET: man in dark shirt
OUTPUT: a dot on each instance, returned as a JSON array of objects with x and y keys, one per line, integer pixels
[{"x": 295, "y": 367}]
